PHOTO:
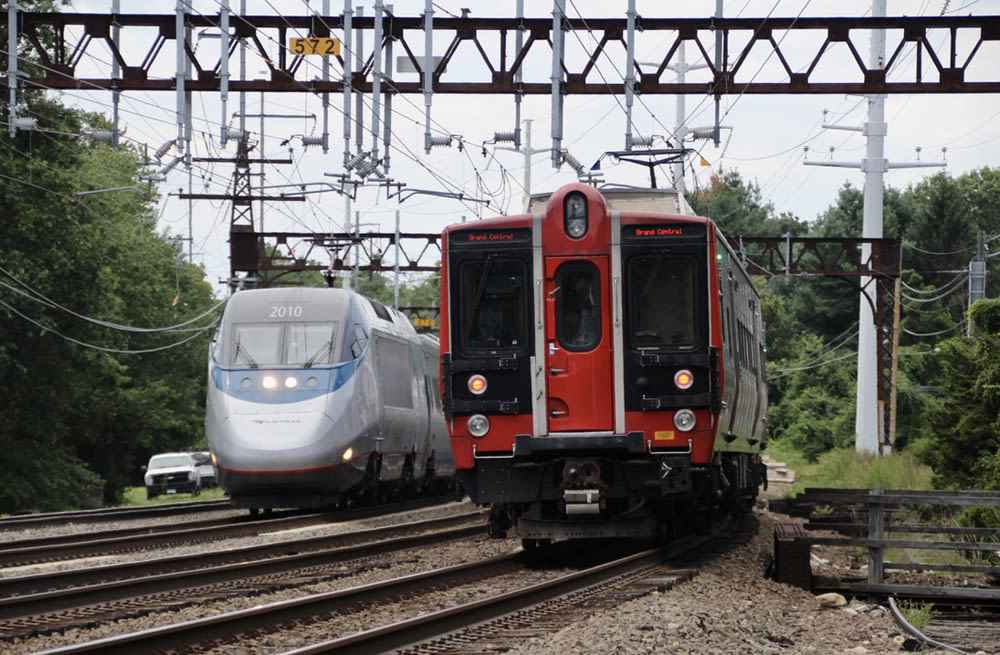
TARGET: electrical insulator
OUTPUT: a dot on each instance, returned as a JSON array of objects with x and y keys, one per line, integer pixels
[
  {"x": 356, "y": 160},
  {"x": 169, "y": 167},
  {"x": 366, "y": 168},
  {"x": 573, "y": 162},
  {"x": 234, "y": 134},
  {"x": 642, "y": 141},
  {"x": 703, "y": 133},
  {"x": 103, "y": 136},
  {"x": 26, "y": 123},
  {"x": 441, "y": 141},
  {"x": 504, "y": 137},
  {"x": 312, "y": 140},
  {"x": 162, "y": 150}
]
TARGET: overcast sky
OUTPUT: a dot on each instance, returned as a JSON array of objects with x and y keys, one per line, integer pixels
[{"x": 764, "y": 141}]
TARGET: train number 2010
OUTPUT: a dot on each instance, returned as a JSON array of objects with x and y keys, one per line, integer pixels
[{"x": 286, "y": 311}]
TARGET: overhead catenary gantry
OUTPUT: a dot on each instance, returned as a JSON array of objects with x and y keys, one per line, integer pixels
[{"x": 471, "y": 55}]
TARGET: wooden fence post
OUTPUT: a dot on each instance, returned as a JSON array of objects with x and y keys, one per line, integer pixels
[{"x": 876, "y": 536}]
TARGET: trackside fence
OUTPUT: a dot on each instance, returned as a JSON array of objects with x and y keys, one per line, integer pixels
[{"x": 888, "y": 522}]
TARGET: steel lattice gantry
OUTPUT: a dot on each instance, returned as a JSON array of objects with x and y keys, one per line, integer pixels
[
  {"x": 876, "y": 262},
  {"x": 949, "y": 53}
]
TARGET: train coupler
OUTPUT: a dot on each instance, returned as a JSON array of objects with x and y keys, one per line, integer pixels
[{"x": 582, "y": 502}]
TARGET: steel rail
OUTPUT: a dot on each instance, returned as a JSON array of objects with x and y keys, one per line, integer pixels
[
  {"x": 20, "y": 521},
  {"x": 225, "y": 626},
  {"x": 17, "y": 592},
  {"x": 20, "y": 553}
]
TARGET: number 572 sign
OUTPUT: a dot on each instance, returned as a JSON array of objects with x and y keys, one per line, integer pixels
[{"x": 315, "y": 45}]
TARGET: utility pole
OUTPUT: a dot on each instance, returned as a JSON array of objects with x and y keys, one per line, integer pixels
[
  {"x": 870, "y": 434},
  {"x": 977, "y": 275}
]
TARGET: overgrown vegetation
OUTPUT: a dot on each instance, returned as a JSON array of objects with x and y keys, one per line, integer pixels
[
  {"x": 848, "y": 469},
  {"x": 918, "y": 614}
]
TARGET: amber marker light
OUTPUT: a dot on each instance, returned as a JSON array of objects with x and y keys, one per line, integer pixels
[
  {"x": 683, "y": 379},
  {"x": 477, "y": 384}
]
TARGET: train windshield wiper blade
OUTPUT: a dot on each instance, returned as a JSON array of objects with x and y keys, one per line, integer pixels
[
  {"x": 652, "y": 275},
  {"x": 324, "y": 349},
  {"x": 240, "y": 350}
]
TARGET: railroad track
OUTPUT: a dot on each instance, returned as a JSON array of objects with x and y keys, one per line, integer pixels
[
  {"x": 476, "y": 593},
  {"x": 125, "y": 540},
  {"x": 43, "y": 603},
  {"x": 21, "y": 521}
]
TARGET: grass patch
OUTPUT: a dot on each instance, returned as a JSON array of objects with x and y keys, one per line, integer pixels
[
  {"x": 136, "y": 496},
  {"x": 916, "y": 613},
  {"x": 849, "y": 469}
]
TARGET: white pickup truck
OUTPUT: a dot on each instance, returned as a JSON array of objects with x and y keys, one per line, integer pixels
[{"x": 171, "y": 473}]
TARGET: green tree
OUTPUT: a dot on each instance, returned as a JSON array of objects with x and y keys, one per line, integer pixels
[
  {"x": 739, "y": 210},
  {"x": 963, "y": 446},
  {"x": 87, "y": 400}
]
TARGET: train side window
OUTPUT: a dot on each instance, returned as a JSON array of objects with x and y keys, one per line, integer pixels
[
  {"x": 256, "y": 345},
  {"x": 360, "y": 341},
  {"x": 662, "y": 300},
  {"x": 493, "y": 297},
  {"x": 380, "y": 310},
  {"x": 578, "y": 306}
]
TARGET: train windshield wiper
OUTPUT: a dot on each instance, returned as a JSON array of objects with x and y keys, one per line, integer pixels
[
  {"x": 652, "y": 275},
  {"x": 240, "y": 350},
  {"x": 324, "y": 349},
  {"x": 481, "y": 288}
]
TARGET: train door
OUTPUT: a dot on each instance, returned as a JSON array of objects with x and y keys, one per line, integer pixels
[{"x": 577, "y": 338}]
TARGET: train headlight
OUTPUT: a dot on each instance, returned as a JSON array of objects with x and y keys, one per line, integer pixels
[
  {"x": 269, "y": 382},
  {"x": 477, "y": 384},
  {"x": 245, "y": 383},
  {"x": 684, "y": 420},
  {"x": 348, "y": 455},
  {"x": 683, "y": 379},
  {"x": 478, "y": 425},
  {"x": 575, "y": 215},
  {"x": 291, "y": 382}
]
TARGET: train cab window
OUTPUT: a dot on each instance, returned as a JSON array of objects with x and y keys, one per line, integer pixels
[
  {"x": 662, "y": 301},
  {"x": 256, "y": 345},
  {"x": 360, "y": 341},
  {"x": 578, "y": 305},
  {"x": 493, "y": 296},
  {"x": 310, "y": 344}
]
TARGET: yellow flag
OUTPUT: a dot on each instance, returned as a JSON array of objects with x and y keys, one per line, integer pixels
[{"x": 704, "y": 162}]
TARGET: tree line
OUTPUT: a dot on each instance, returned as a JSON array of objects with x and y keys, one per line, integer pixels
[{"x": 948, "y": 412}]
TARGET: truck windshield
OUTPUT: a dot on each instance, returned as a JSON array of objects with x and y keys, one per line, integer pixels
[{"x": 169, "y": 461}]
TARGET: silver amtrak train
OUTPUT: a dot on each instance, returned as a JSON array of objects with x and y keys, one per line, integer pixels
[{"x": 322, "y": 397}]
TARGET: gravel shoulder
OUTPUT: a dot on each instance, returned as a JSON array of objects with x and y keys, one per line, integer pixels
[{"x": 729, "y": 608}]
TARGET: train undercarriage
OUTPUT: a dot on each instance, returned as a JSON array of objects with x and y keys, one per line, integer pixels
[{"x": 611, "y": 495}]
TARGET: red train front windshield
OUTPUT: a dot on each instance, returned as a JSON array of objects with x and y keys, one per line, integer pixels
[
  {"x": 493, "y": 295},
  {"x": 663, "y": 301}
]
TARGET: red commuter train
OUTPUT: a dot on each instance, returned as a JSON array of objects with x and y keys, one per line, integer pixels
[{"x": 602, "y": 365}]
